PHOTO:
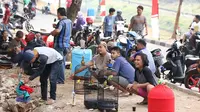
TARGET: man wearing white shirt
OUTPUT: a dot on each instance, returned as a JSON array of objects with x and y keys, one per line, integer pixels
[{"x": 47, "y": 63}]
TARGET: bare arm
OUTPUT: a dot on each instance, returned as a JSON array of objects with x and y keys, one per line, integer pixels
[
  {"x": 55, "y": 32},
  {"x": 131, "y": 24},
  {"x": 145, "y": 24},
  {"x": 84, "y": 67}
]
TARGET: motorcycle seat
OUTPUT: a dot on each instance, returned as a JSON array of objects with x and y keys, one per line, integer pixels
[
  {"x": 192, "y": 57},
  {"x": 105, "y": 38}
]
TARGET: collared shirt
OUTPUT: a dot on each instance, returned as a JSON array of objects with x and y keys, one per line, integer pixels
[{"x": 62, "y": 40}]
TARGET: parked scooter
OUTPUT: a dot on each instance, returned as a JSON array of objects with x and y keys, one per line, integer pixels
[
  {"x": 158, "y": 60},
  {"x": 176, "y": 61}
]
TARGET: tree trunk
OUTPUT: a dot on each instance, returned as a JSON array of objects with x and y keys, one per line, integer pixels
[
  {"x": 177, "y": 19},
  {"x": 73, "y": 10}
]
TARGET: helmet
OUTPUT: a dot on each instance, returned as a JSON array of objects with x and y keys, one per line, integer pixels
[
  {"x": 119, "y": 12},
  {"x": 89, "y": 20},
  {"x": 29, "y": 37}
]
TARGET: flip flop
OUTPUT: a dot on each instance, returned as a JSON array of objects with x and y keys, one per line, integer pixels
[
  {"x": 142, "y": 103},
  {"x": 123, "y": 94}
]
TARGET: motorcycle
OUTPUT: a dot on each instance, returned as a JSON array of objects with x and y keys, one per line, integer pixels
[
  {"x": 30, "y": 11},
  {"x": 192, "y": 78},
  {"x": 158, "y": 60},
  {"x": 119, "y": 29},
  {"x": 176, "y": 61},
  {"x": 46, "y": 9},
  {"x": 17, "y": 21}
]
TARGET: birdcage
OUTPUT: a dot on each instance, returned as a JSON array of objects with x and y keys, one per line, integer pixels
[
  {"x": 107, "y": 96},
  {"x": 79, "y": 80},
  {"x": 90, "y": 90}
]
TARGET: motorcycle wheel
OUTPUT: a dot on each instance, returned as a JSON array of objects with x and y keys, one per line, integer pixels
[
  {"x": 191, "y": 80},
  {"x": 28, "y": 26}
]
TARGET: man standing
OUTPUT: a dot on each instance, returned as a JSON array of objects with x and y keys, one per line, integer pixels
[
  {"x": 62, "y": 34},
  {"x": 47, "y": 63},
  {"x": 138, "y": 22},
  {"x": 108, "y": 23},
  {"x": 6, "y": 19}
]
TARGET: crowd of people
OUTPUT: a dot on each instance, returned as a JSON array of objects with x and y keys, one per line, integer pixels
[
  {"x": 46, "y": 62},
  {"x": 50, "y": 62}
]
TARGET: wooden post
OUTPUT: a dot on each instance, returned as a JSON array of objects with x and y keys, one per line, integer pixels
[{"x": 177, "y": 19}]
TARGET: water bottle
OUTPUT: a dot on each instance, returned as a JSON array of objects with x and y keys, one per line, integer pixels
[{"x": 73, "y": 98}]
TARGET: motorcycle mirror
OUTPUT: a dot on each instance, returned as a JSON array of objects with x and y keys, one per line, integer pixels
[{"x": 54, "y": 20}]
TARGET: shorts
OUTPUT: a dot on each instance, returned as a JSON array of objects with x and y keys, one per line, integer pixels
[
  {"x": 121, "y": 81},
  {"x": 142, "y": 92}
]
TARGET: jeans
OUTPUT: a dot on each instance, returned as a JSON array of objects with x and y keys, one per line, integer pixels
[
  {"x": 5, "y": 27},
  {"x": 107, "y": 34},
  {"x": 61, "y": 75},
  {"x": 51, "y": 71}
]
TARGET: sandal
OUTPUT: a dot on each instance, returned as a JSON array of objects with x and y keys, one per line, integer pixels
[
  {"x": 144, "y": 102},
  {"x": 124, "y": 94},
  {"x": 50, "y": 102}
]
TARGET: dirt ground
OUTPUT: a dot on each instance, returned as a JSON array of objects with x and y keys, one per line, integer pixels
[{"x": 183, "y": 102}]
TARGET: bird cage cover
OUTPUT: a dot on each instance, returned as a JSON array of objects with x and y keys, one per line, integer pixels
[{"x": 77, "y": 55}]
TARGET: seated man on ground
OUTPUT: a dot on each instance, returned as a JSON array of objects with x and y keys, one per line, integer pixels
[
  {"x": 124, "y": 73},
  {"x": 15, "y": 47},
  {"x": 145, "y": 80},
  {"x": 100, "y": 60}
]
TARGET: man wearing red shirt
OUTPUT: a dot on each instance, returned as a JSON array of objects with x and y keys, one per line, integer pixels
[{"x": 6, "y": 18}]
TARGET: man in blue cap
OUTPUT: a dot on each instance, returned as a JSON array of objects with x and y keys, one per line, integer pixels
[{"x": 46, "y": 62}]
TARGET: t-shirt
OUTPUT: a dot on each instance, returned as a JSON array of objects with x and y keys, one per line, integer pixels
[
  {"x": 195, "y": 26},
  {"x": 124, "y": 69},
  {"x": 51, "y": 53},
  {"x": 145, "y": 76},
  {"x": 137, "y": 23},
  {"x": 101, "y": 61},
  {"x": 109, "y": 22},
  {"x": 150, "y": 58},
  {"x": 6, "y": 16}
]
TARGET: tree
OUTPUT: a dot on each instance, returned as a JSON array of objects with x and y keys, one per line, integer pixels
[
  {"x": 177, "y": 19},
  {"x": 73, "y": 10}
]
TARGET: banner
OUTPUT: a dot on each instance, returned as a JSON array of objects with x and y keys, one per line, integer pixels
[{"x": 155, "y": 19}]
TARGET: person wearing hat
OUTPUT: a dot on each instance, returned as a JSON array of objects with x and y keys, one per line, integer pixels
[
  {"x": 46, "y": 62},
  {"x": 100, "y": 60},
  {"x": 141, "y": 47}
]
